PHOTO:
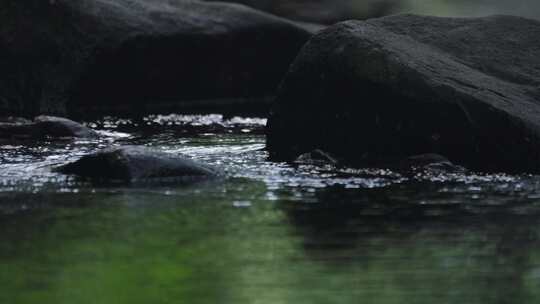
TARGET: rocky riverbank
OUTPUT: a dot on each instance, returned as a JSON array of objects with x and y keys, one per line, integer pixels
[{"x": 365, "y": 93}]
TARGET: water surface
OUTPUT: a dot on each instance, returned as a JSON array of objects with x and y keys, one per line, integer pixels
[{"x": 267, "y": 233}]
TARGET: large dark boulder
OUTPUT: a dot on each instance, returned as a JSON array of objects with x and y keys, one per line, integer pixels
[
  {"x": 466, "y": 88},
  {"x": 135, "y": 163},
  {"x": 83, "y": 56}
]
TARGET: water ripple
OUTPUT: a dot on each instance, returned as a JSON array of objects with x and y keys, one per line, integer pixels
[{"x": 26, "y": 166}]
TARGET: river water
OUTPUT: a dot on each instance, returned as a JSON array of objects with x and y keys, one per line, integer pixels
[{"x": 266, "y": 233}]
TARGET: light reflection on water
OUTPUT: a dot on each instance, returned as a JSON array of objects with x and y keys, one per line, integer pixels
[{"x": 269, "y": 233}]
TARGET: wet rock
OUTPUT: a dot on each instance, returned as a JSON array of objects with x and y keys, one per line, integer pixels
[
  {"x": 43, "y": 127},
  {"x": 316, "y": 157},
  {"x": 429, "y": 162},
  {"x": 62, "y": 127},
  {"x": 139, "y": 56},
  {"x": 135, "y": 163},
  {"x": 14, "y": 120},
  {"x": 466, "y": 88}
]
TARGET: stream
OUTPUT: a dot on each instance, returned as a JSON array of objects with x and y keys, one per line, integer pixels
[{"x": 265, "y": 233}]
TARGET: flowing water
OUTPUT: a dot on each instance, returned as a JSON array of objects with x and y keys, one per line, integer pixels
[{"x": 266, "y": 233}]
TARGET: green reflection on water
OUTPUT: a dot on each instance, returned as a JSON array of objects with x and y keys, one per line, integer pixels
[{"x": 146, "y": 247}]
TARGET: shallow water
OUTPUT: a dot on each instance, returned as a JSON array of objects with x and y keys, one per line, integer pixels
[{"x": 267, "y": 233}]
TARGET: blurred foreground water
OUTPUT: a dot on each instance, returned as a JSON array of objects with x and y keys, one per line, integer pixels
[{"x": 268, "y": 233}]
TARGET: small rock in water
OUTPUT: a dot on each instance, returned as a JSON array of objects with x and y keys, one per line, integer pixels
[
  {"x": 43, "y": 126},
  {"x": 428, "y": 163},
  {"x": 316, "y": 157},
  {"x": 63, "y": 127},
  {"x": 135, "y": 163}
]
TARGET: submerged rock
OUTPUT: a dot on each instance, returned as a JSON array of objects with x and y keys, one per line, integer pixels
[
  {"x": 84, "y": 56},
  {"x": 135, "y": 163},
  {"x": 429, "y": 162},
  {"x": 42, "y": 127},
  {"x": 466, "y": 88},
  {"x": 316, "y": 157}
]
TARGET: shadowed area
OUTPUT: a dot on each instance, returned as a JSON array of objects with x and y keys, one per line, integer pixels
[{"x": 140, "y": 56}]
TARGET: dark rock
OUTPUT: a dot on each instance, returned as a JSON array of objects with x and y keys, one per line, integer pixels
[
  {"x": 428, "y": 162},
  {"x": 413, "y": 163},
  {"x": 316, "y": 157},
  {"x": 425, "y": 160},
  {"x": 135, "y": 163},
  {"x": 14, "y": 120},
  {"x": 62, "y": 127},
  {"x": 423, "y": 163},
  {"x": 466, "y": 88},
  {"x": 44, "y": 127},
  {"x": 131, "y": 56}
]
